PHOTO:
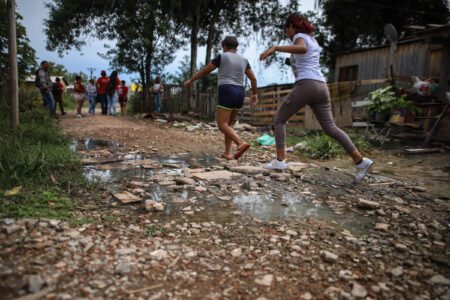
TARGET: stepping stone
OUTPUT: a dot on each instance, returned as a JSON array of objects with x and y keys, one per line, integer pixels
[
  {"x": 126, "y": 197},
  {"x": 216, "y": 175}
]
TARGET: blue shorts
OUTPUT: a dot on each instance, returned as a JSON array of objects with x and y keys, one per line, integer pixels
[{"x": 231, "y": 96}]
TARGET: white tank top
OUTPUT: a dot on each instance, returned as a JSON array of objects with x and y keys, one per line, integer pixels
[{"x": 307, "y": 65}]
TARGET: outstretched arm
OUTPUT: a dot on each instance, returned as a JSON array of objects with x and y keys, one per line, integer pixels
[
  {"x": 253, "y": 82},
  {"x": 298, "y": 48},
  {"x": 203, "y": 72}
]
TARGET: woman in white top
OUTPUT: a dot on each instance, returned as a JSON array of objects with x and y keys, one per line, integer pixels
[
  {"x": 158, "y": 88},
  {"x": 310, "y": 89}
]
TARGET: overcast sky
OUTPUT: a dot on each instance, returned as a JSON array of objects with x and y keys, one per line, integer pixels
[{"x": 34, "y": 12}]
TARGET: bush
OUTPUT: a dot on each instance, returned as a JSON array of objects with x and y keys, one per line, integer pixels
[{"x": 320, "y": 146}]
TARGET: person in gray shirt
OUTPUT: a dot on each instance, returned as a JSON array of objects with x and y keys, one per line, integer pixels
[
  {"x": 45, "y": 84},
  {"x": 231, "y": 92}
]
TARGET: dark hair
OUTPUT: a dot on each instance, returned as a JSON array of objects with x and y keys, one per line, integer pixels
[
  {"x": 78, "y": 77},
  {"x": 157, "y": 79},
  {"x": 123, "y": 81},
  {"x": 44, "y": 62},
  {"x": 300, "y": 24},
  {"x": 103, "y": 72},
  {"x": 230, "y": 42},
  {"x": 57, "y": 79}
]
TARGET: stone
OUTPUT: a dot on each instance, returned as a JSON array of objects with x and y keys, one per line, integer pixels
[
  {"x": 296, "y": 167},
  {"x": 358, "y": 291},
  {"x": 265, "y": 280},
  {"x": 12, "y": 228},
  {"x": 151, "y": 205},
  {"x": 123, "y": 268},
  {"x": 248, "y": 170},
  {"x": 382, "y": 227},
  {"x": 236, "y": 252},
  {"x": 345, "y": 274},
  {"x": 126, "y": 197},
  {"x": 291, "y": 232},
  {"x": 125, "y": 251},
  {"x": 184, "y": 181},
  {"x": 398, "y": 271},
  {"x": 439, "y": 279},
  {"x": 216, "y": 175},
  {"x": 159, "y": 254},
  {"x": 401, "y": 247},
  {"x": 367, "y": 204},
  {"x": 307, "y": 296},
  {"x": 329, "y": 256},
  {"x": 35, "y": 283}
]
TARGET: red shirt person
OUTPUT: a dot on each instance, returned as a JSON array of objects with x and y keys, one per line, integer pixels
[
  {"x": 123, "y": 97},
  {"x": 101, "y": 84}
]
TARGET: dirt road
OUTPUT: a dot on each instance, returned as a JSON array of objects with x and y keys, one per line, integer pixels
[{"x": 202, "y": 228}]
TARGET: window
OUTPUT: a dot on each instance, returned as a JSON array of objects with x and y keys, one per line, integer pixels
[{"x": 348, "y": 73}]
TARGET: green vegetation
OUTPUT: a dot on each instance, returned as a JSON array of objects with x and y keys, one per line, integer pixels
[
  {"x": 68, "y": 102},
  {"x": 37, "y": 157},
  {"x": 318, "y": 145},
  {"x": 385, "y": 101}
]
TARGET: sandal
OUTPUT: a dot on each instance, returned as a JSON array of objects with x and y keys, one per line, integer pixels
[{"x": 241, "y": 150}]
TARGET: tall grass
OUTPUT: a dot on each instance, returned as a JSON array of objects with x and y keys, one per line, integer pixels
[{"x": 37, "y": 157}]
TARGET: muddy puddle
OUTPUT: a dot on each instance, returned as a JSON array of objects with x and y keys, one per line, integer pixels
[{"x": 155, "y": 177}]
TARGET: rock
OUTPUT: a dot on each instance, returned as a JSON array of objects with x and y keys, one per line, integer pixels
[
  {"x": 248, "y": 170},
  {"x": 398, "y": 271},
  {"x": 126, "y": 197},
  {"x": 12, "y": 228},
  {"x": 367, "y": 204},
  {"x": 439, "y": 279},
  {"x": 382, "y": 227},
  {"x": 292, "y": 232},
  {"x": 123, "y": 268},
  {"x": 151, "y": 205},
  {"x": 125, "y": 251},
  {"x": 184, "y": 181},
  {"x": 35, "y": 283},
  {"x": 236, "y": 252},
  {"x": 265, "y": 280},
  {"x": 419, "y": 189},
  {"x": 329, "y": 257},
  {"x": 401, "y": 247},
  {"x": 358, "y": 291},
  {"x": 159, "y": 254},
  {"x": 216, "y": 175},
  {"x": 345, "y": 274},
  {"x": 296, "y": 167},
  {"x": 306, "y": 296}
]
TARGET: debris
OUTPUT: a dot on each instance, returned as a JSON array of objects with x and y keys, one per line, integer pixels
[
  {"x": 265, "y": 280},
  {"x": 358, "y": 291},
  {"x": 13, "y": 191},
  {"x": 329, "y": 256},
  {"x": 151, "y": 205},
  {"x": 367, "y": 204}
]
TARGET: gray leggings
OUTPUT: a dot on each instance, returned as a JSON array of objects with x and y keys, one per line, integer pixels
[{"x": 315, "y": 94}]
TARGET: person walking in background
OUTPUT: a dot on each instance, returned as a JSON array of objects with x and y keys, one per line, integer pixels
[
  {"x": 91, "y": 90},
  {"x": 102, "y": 81},
  {"x": 44, "y": 84},
  {"x": 310, "y": 89},
  {"x": 58, "y": 91},
  {"x": 157, "y": 89},
  {"x": 112, "y": 93},
  {"x": 123, "y": 97},
  {"x": 79, "y": 93},
  {"x": 231, "y": 92}
]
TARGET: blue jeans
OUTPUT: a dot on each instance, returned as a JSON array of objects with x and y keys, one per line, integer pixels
[
  {"x": 92, "y": 102},
  {"x": 158, "y": 102},
  {"x": 112, "y": 103},
  {"x": 49, "y": 102}
]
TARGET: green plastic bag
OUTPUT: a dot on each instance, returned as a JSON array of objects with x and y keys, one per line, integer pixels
[{"x": 266, "y": 140}]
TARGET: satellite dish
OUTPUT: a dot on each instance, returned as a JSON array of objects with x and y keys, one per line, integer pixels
[{"x": 391, "y": 33}]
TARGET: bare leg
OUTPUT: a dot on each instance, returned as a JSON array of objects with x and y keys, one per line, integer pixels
[
  {"x": 223, "y": 119},
  {"x": 228, "y": 141}
]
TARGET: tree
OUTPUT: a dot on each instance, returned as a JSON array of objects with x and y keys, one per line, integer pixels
[
  {"x": 26, "y": 55},
  {"x": 145, "y": 34},
  {"x": 365, "y": 20}
]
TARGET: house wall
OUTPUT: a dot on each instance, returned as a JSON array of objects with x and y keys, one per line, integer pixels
[{"x": 411, "y": 59}]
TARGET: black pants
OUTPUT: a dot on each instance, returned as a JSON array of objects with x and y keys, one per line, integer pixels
[
  {"x": 104, "y": 103},
  {"x": 58, "y": 100}
]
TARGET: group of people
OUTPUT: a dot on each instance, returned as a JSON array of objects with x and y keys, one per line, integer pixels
[
  {"x": 106, "y": 90},
  {"x": 310, "y": 89}
]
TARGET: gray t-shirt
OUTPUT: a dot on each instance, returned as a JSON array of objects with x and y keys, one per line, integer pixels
[{"x": 232, "y": 68}]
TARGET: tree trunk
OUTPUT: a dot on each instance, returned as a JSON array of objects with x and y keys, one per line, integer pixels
[
  {"x": 210, "y": 39},
  {"x": 194, "y": 45}
]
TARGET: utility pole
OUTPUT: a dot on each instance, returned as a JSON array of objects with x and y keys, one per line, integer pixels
[
  {"x": 12, "y": 60},
  {"x": 91, "y": 70}
]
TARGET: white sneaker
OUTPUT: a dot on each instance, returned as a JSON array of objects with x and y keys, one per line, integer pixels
[
  {"x": 276, "y": 165},
  {"x": 362, "y": 169},
  {"x": 79, "y": 116}
]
